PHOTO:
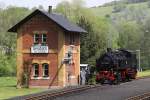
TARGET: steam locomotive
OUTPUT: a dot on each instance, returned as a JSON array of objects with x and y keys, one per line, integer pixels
[{"x": 116, "y": 66}]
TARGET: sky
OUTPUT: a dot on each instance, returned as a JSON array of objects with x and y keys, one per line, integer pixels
[{"x": 46, "y": 3}]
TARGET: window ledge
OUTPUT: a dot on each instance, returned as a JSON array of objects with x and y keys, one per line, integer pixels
[
  {"x": 38, "y": 78},
  {"x": 45, "y": 78}
]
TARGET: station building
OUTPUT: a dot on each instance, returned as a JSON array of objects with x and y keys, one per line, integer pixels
[{"x": 48, "y": 50}]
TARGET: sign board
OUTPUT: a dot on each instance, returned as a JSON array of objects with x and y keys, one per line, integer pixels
[{"x": 39, "y": 49}]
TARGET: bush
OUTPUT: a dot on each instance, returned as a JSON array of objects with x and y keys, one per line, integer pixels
[
  {"x": 7, "y": 65},
  {"x": 92, "y": 79},
  {"x": 148, "y": 4},
  {"x": 119, "y": 7}
]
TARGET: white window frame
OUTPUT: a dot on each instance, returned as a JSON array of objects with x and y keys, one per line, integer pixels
[
  {"x": 35, "y": 37},
  {"x": 43, "y": 37},
  {"x": 34, "y": 65},
  {"x": 43, "y": 68}
]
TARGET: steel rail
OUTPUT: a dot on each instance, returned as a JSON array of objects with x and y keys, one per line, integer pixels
[
  {"x": 49, "y": 96},
  {"x": 52, "y": 95},
  {"x": 145, "y": 96}
]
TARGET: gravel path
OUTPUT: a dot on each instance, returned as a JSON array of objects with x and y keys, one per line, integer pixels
[{"x": 112, "y": 92}]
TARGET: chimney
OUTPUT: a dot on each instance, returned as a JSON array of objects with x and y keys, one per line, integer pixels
[{"x": 49, "y": 9}]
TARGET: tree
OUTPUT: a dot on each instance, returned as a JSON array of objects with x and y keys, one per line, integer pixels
[
  {"x": 119, "y": 7},
  {"x": 64, "y": 8},
  {"x": 148, "y": 4},
  {"x": 129, "y": 35},
  {"x": 145, "y": 45},
  {"x": 87, "y": 40},
  {"x": 9, "y": 16},
  {"x": 40, "y": 7}
]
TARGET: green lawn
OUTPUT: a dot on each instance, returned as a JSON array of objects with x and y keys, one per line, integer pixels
[
  {"x": 8, "y": 88},
  {"x": 144, "y": 73}
]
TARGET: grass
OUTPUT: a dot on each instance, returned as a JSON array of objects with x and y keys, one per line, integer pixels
[
  {"x": 8, "y": 88},
  {"x": 144, "y": 73}
]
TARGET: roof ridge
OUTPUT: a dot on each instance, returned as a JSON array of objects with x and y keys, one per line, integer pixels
[{"x": 58, "y": 18}]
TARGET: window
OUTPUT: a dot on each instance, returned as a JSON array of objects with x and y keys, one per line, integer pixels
[
  {"x": 35, "y": 70},
  {"x": 36, "y": 38},
  {"x": 40, "y": 38},
  {"x": 44, "y": 38},
  {"x": 45, "y": 70}
]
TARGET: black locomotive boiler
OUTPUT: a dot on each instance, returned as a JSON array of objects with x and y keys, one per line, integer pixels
[{"x": 116, "y": 66}]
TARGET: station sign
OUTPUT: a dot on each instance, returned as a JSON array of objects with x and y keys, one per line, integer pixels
[{"x": 39, "y": 49}]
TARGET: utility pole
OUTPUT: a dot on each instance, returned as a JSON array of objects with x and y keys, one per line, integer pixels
[{"x": 139, "y": 60}]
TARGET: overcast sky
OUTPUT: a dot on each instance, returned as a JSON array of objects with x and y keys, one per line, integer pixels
[{"x": 46, "y": 3}]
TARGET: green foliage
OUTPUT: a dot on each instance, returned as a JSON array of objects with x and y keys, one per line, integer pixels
[
  {"x": 90, "y": 44},
  {"x": 125, "y": 2},
  {"x": 129, "y": 35},
  {"x": 92, "y": 80},
  {"x": 9, "y": 16},
  {"x": 119, "y": 7},
  {"x": 148, "y": 4},
  {"x": 7, "y": 65},
  {"x": 145, "y": 44},
  {"x": 64, "y": 8},
  {"x": 135, "y": 1}
]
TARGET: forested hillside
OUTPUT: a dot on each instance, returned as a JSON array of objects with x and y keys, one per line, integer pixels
[
  {"x": 117, "y": 25},
  {"x": 131, "y": 21}
]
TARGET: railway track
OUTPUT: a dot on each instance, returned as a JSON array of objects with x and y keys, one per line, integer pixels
[
  {"x": 53, "y": 95},
  {"x": 50, "y": 95},
  {"x": 145, "y": 96}
]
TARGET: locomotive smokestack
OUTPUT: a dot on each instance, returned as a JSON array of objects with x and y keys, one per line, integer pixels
[{"x": 109, "y": 50}]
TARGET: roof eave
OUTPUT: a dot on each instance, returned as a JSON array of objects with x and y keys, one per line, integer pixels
[
  {"x": 12, "y": 30},
  {"x": 77, "y": 32},
  {"x": 15, "y": 27},
  {"x": 83, "y": 31}
]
